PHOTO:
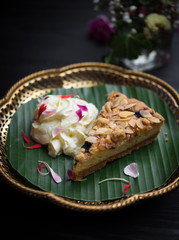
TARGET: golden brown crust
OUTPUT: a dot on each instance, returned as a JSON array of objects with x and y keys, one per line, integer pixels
[{"x": 120, "y": 120}]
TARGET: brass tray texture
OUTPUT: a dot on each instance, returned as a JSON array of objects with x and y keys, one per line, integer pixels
[{"x": 78, "y": 75}]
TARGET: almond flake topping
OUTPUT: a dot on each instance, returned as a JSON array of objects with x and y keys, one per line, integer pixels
[
  {"x": 121, "y": 119},
  {"x": 145, "y": 113},
  {"x": 116, "y": 102},
  {"x": 121, "y": 107},
  {"x": 103, "y": 131},
  {"x": 108, "y": 107},
  {"x": 132, "y": 122},
  {"x": 126, "y": 114},
  {"x": 129, "y": 105},
  {"x": 154, "y": 119},
  {"x": 112, "y": 125},
  {"x": 123, "y": 102},
  {"x": 129, "y": 130},
  {"x": 92, "y": 132},
  {"x": 103, "y": 120},
  {"x": 123, "y": 123},
  {"x": 91, "y": 139},
  {"x": 119, "y": 101},
  {"x": 139, "y": 123}
]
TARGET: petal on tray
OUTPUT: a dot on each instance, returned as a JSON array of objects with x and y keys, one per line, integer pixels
[{"x": 132, "y": 170}]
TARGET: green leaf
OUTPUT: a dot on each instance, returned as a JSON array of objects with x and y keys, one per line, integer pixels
[
  {"x": 156, "y": 162},
  {"x": 127, "y": 45}
]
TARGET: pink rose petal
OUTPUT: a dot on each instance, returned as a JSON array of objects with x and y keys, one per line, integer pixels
[
  {"x": 37, "y": 145},
  {"x": 50, "y": 112},
  {"x": 68, "y": 96},
  {"x": 70, "y": 173},
  {"x": 79, "y": 113},
  {"x": 26, "y": 139},
  {"x": 126, "y": 188},
  {"x": 43, "y": 99},
  {"x": 42, "y": 108},
  {"x": 39, "y": 169},
  {"x": 56, "y": 131},
  {"x": 82, "y": 107},
  {"x": 131, "y": 170},
  {"x": 54, "y": 175}
]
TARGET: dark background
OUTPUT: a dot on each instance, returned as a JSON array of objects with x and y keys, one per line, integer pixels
[{"x": 37, "y": 35}]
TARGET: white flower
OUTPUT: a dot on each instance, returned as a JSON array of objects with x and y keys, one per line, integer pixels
[
  {"x": 132, "y": 8},
  {"x": 141, "y": 15},
  {"x": 126, "y": 17},
  {"x": 133, "y": 31}
]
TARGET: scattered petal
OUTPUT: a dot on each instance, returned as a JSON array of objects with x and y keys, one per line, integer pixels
[
  {"x": 79, "y": 113},
  {"x": 56, "y": 131},
  {"x": 50, "y": 112},
  {"x": 132, "y": 170},
  {"x": 68, "y": 96},
  {"x": 126, "y": 188},
  {"x": 82, "y": 107},
  {"x": 39, "y": 169},
  {"x": 42, "y": 108},
  {"x": 70, "y": 173},
  {"x": 42, "y": 99},
  {"x": 26, "y": 139},
  {"x": 54, "y": 175},
  {"x": 37, "y": 145}
]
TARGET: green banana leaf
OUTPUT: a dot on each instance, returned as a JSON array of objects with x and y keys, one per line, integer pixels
[{"x": 156, "y": 162}]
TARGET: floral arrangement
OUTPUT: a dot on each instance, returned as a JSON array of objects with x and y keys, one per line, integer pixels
[{"x": 136, "y": 26}]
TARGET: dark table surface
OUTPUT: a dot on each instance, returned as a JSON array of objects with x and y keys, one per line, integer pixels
[{"x": 37, "y": 35}]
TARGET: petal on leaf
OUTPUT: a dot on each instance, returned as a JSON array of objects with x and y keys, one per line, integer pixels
[
  {"x": 39, "y": 169},
  {"x": 37, "y": 145},
  {"x": 54, "y": 175},
  {"x": 126, "y": 188},
  {"x": 26, "y": 139},
  {"x": 132, "y": 170},
  {"x": 70, "y": 173}
]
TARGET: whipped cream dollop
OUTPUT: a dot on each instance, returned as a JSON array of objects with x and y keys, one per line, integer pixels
[{"x": 62, "y": 123}]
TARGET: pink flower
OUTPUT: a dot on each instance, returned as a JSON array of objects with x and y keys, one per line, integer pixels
[
  {"x": 100, "y": 29},
  {"x": 143, "y": 10}
]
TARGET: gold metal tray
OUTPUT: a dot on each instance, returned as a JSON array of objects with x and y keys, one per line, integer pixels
[{"x": 77, "y": 76}]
